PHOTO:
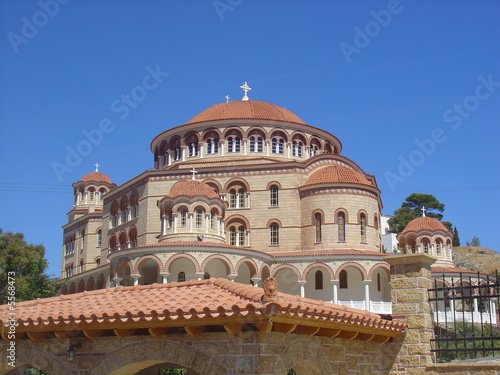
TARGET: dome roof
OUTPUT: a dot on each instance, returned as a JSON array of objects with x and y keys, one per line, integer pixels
[
  {"x": 337, "y": 174},
  {"x": 424, "y": 223},
  {"x": 96, "y": 176},
  {"x": 246, "y": 110},
  {"x": 191, "y": 189}
]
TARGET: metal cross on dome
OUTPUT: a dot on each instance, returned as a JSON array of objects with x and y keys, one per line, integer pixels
[
  {"x": 245, "y": 89},
  {"x": 193, "y": 171},
  {"x": 96, "y": 165},
  {"x": 423, "y": 211},
  {"x": 227, "y": 98}
]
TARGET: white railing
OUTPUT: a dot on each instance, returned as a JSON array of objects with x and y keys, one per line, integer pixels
[
  {"x": 378, "y": 307},
  {"x": 465, "y": 316}
]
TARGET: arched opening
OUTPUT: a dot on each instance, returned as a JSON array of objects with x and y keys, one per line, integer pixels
[
  {"x": 217, "y": 268},
  {"x": 184, "y": 265},
  {"x": 351, "y": 290},
  {"x": 288, "y": 281},
  {"x": 150, "y": 272},
  {"x": 245, "y": 272}
]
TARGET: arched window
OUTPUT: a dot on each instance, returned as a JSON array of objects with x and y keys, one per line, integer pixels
[
  {"x": 199, "y": 217},
  {"x": 273, "y": 196},
  {"x": 241, "y": 236},
  {"x": 212, "y": 146},
  {"x": 99, "y": 238},
  {"x": 233, "y": 144},
  {"x": 274, "y": 234},
  {"x": 232, "y": 236},
  {"x": 183, "y": 218},
  {"x": 341, "y": 225},
  {"x": 91, "y": 194},
  {"x": 317, "y": 223},
  {"x": 362, "y": 228},
  {"x": 439, "y": 246},
  {"x": 256, "y": 144},
  {"x": 98, "y": 262},
  {"x": 297, "y": 148},
  {"x": 379, "y": 284},
  {"x": 193, "y": 149},
  {"x": 181, "y": 277},
  {"x": 206, "y": 276},
  {"x": 318, "y": 280},
  {"x": 277, "y": 144},
  {"x": 343, "y": 279},
  {"x": 237, "y": 235},
  {"x": 425, "y": 244}
]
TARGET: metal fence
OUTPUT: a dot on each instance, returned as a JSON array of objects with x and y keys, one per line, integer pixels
[{"x": 465, "y": 311}]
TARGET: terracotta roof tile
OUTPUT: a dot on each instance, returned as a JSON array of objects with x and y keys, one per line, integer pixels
[
  {"x": 336, "y": 174},
  {"x": 96, "y": 176},
  {"x": 171, "y": 304},
  {"x": 440, "y": 269},
  {"x": 250, "y": 109},
  {"x": 424, "y": 223},
  {"x": 191, "y": 189}
]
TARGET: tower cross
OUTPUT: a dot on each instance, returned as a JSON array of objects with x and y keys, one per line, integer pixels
[
  {"x": 423, "y": 211},
  {"x": 227, "y": 98},
  {"x": 96, "y": 165},
  {"x": 245, "y": 89},
  {"x": 193, "y": 171}
]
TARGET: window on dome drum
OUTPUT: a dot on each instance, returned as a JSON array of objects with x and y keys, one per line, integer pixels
[
  {"x": 313, "y": 150},
  {"x": 362, "y": 222},
  {"x": 99, "y": 238},
  {"x": 183, "y": 218},
  {"x": 277, "y": 145},
  {"x": 212, "y": 146},
  {"x": 318, "y": 280},
  {"x": 233, "y": 144},
  {"x": 317, "y": 223},
  {"x": 256, "y": 144},
  {"x": 199, "y": 217},
  {"x": 206, "y": 276},
  {"x": 297, "y": 148},
  {"x": 426, "y": 246},
  {"x": 439, "y": 246},
  {"x": 181, "y": 277},
  {"x": 193, "y": 149},
  {"x": 177, "y": 154},
  {"x": 341, "y": 225},
  {"x": 273, "y": 196},
  {"x": 212, "y": 220},
  {"x": 343, "y": 279},
  {"x": 91, "y": 194},
  {"x": 274, "y": 234}
]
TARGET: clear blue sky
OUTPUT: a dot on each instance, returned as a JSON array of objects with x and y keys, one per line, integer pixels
[{"x": 382, "y": 76}]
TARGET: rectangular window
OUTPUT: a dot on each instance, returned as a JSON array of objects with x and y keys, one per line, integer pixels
[{"x": 275, "y": 239}]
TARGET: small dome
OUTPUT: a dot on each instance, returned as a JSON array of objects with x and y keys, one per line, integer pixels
[
  {"x": 246, "y": 110},
  {"x": 96, "y": 176},
  {"x": 191, "y": 189},
  {"x": 424, "y": 223},
  {"x": 336, "y": 174}
]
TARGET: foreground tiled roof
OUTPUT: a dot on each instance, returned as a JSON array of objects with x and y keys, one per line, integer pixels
[
  {"x": 336, "y": 174},
  {"x": 424, "y": 223},
  {"x": 191, "y": 189},
  {"x": 250, "y": 109},
  {"x": 192, "y": 307},
  {"x": 96, "y": 176}
]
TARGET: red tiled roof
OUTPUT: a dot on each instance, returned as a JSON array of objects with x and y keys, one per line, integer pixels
[
  {"x": 191, "y": 189},
  {"x": 336, "y": 174},
  {"x": 440, "y": 269},
  {"x": 424, "y": 223},
  {"x": 249, "y": 109},
  {"x": 326, "y": 253},
  {"x": 194, "y": 303},
  {"x": 96, "y": 176}
]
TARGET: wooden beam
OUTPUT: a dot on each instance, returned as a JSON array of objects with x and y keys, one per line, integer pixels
[
  {"x": 37, "y": 335},
  {"x": 233, "y": 328},
  {"x": 331, "y": 333},
  {"x": 123, "y": 332},
  {"x": 93, "y": 333},
  {"x": 264, "y": 327},
  {"x": 306, "y": 330},
  {"x": 157, "y": 331},
  {"x": 381, "y": 339},
  {"x": 66, "y": 334},
  {"x": 348, "y": 335},
  {"x": 194, "y": 330},
  {"x": 284, "y": 327},
  {"x": 365, "y": 336}
]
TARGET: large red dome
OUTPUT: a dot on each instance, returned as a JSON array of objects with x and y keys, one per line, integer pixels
[
  {"x": 96, "y": 176},
  {"x": 336, "y": 174},
  {"x": 246, "y": 110},
  {"x": 192, "y": 189}
]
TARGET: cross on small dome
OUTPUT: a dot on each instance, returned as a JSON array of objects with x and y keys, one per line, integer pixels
[
  {"x": 227, "y": 98},
  {"x": 96, "y": 165},
  {"x": 245, "y": 89},
  {"x": 423, "y": 211}
]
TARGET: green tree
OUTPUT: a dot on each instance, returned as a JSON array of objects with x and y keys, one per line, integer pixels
[
  {"x": 456, "y": 239},
  {"x": 412, "y": 208},
  {"x": 23, "y": 265}
]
